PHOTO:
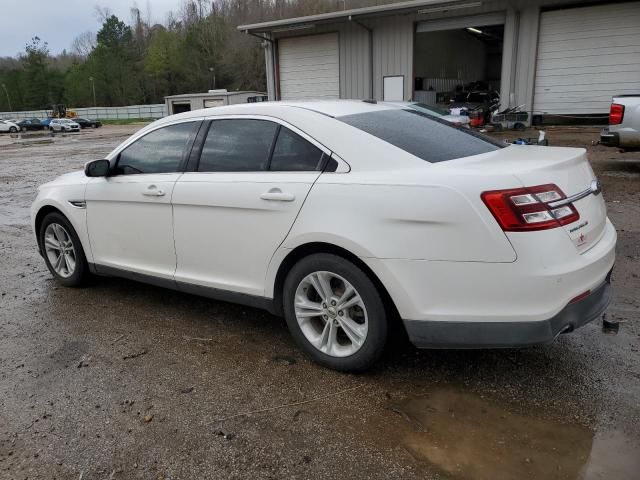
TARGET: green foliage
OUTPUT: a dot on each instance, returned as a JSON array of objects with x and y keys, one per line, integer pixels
[
  {"x": 142, "y": 63},
  {"x": 36, "y": 75}
]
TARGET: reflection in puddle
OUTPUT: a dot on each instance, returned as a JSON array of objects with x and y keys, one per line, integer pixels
[{"x": 471, "y": 438}]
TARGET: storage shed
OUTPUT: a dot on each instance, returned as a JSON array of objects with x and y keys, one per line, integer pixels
[
  {"x": 553, "y": 57},
  {"x": 213, "y": 98}
]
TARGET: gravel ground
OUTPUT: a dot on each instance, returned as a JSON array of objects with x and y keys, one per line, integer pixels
[{"x": 123, "y": 381}]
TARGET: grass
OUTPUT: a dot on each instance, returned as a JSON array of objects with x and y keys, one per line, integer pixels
[{"x": 126, "y": 121}]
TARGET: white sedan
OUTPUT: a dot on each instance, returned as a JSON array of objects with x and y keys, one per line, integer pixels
[
  {"x": 7, "y": 126},
  {"x": 63, "y": 125},
  {"x": 343, "y": 216}
]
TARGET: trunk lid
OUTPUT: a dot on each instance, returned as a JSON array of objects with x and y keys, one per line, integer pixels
[{"x": 568, "y": 168}]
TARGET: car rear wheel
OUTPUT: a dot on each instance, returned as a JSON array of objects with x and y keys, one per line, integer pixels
[
  {"x": 63, "y": 251},
  {"x": 335, "y": 312},
  {"x": 13, "y": 130}
]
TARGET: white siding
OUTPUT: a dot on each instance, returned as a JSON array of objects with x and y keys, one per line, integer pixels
[
  {"x": 309, "y": 67},
  {"x": 585, "y": 56}
]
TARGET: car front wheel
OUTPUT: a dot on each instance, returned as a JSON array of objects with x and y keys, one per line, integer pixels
[
  {"x": 13, "y": 130},
  {"x": 63, "y": 251},
  {"x": 335, "y": 312}
]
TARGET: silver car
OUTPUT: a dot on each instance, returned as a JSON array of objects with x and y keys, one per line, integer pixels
[{"x": 63, "y": 125}]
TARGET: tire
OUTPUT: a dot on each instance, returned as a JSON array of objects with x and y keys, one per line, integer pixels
[
  {"x": 367, "y": 320},
  {"x": 51, "y": 129},
  {"x": 55, "y": 228},
  {"x": 23, "y": 129},
  {"x": 519, "y": 127},
  {"x": 13, "y": 130}
]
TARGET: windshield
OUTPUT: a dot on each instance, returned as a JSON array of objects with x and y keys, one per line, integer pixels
[{"x": 422, "y": 135}]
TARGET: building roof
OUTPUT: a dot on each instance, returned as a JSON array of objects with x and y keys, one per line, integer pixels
[
  {"x": 355, "y": 12},
  {"x": 215, "y": 93}
]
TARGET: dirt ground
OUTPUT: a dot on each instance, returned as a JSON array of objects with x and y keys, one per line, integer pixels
[{"x": 126, "y": 381}]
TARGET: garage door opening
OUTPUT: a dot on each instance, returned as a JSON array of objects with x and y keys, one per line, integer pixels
[{"x": 459, "y": 67}]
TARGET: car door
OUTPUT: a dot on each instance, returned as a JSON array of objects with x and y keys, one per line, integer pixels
[
  {"x": 233, "y": 211},
  {"x": 129, "y": 213}
]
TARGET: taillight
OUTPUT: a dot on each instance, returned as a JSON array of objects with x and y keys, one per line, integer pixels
[
  {"x": 527, "y": 209},
  {"x": 616, "y": 114}
]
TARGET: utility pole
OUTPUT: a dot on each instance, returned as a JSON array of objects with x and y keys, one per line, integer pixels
[
  {"x": 4, "y": 86},
  {"x": 213, "y": 78},
  {"x": 93, "y": 87}
]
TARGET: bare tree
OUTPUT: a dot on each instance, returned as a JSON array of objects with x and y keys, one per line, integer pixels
[{"x": 83, "y": 44}]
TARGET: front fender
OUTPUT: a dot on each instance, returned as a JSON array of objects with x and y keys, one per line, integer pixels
[{"x": 59, "y": 198}]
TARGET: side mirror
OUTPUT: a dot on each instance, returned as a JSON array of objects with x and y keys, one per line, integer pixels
[{"x": 97, "y": 168}]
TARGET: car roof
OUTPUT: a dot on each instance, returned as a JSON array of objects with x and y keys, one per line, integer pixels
[{"x": 331, "y": 108}]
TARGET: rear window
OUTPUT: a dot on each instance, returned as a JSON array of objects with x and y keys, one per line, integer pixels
[{"x": 424, "y": 136}]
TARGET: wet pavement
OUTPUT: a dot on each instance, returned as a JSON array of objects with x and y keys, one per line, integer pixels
[{"x": 121, "y": 380}]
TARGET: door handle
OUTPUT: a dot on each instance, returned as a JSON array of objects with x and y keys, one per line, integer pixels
[
  {"x": 277, "y": 195},
  {"x": 153, "y": 191}
]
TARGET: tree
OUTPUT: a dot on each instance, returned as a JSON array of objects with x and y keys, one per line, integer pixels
[
  {"x": 141, "y": 62},
  {"x": 37, "y": 93},
  {"x": 114, "y": 65}
]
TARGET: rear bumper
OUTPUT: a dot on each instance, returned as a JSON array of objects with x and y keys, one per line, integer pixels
[
  {"x": 610, "y": 139},
  {"x": 469, "y": 335}
]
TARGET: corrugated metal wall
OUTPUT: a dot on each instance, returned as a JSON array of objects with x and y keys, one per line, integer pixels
[
  {"x": 355, "y": 80},
  {"x": 393, "y": 52},
  {"x": 393, "y": 48}
]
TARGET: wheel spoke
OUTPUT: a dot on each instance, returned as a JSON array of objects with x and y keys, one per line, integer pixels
[
  {"x": 70, "y": 261},
  {"x": 59, "y": 262},
  {"x": 348, "y": 291},
  {"x": 321, "y": 283},
  {"x": 59, "y": 233},
  {"x": 307, "y": 308},
  {"x": 51, "y": 242},
  {"x": 353, "y": 330},
  {"x": 328, "y": 339},
  {"x": 355, "y": 300}
]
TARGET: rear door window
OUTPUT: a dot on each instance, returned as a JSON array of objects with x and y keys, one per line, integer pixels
[
  {"x": 422, "y": 135},
  {"x": 292, "y": 153},
  {"x": 237, "y": 145}
]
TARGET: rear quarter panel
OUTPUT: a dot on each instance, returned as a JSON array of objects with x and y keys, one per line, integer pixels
[{"x": 419, "y": 214}]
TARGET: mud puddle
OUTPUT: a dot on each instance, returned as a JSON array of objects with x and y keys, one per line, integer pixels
[{"x": 467, "y": 437}]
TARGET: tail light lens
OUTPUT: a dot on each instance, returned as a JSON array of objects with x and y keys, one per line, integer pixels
[
  {"x": 616, "y": 114},
  {"x": 527, "y": 209}
]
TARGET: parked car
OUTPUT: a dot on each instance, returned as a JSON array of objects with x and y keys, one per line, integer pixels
[
  {"x": 63, "y": 125},
  {"x": 7, "y": 126},
  {"x": 457, "y": 120},
  {"x": 47, "y": 121},
  {"x": 624, "y": 122},
  {"x": 31, "y": 124},
  {"x": 342, "y": 216},
  {"x": 86, "y": 123}
]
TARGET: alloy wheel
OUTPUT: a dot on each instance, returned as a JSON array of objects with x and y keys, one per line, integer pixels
[
  {"x": 59, "y": 249},
  {"x": 331, "y": 314}
]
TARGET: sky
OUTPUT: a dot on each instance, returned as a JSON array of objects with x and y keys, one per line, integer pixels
[{"x": 58, "y": 22}]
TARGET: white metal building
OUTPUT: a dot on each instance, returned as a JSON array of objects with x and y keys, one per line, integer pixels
[
  {"x": 213, "y": 98},
  {"x": 555, "y": 57}
]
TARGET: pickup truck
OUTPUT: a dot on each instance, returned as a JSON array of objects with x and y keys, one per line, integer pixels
[{"x": 624, "y": 122}]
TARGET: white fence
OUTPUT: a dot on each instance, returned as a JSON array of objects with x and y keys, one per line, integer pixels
[{"x": 158, "y": 110}]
